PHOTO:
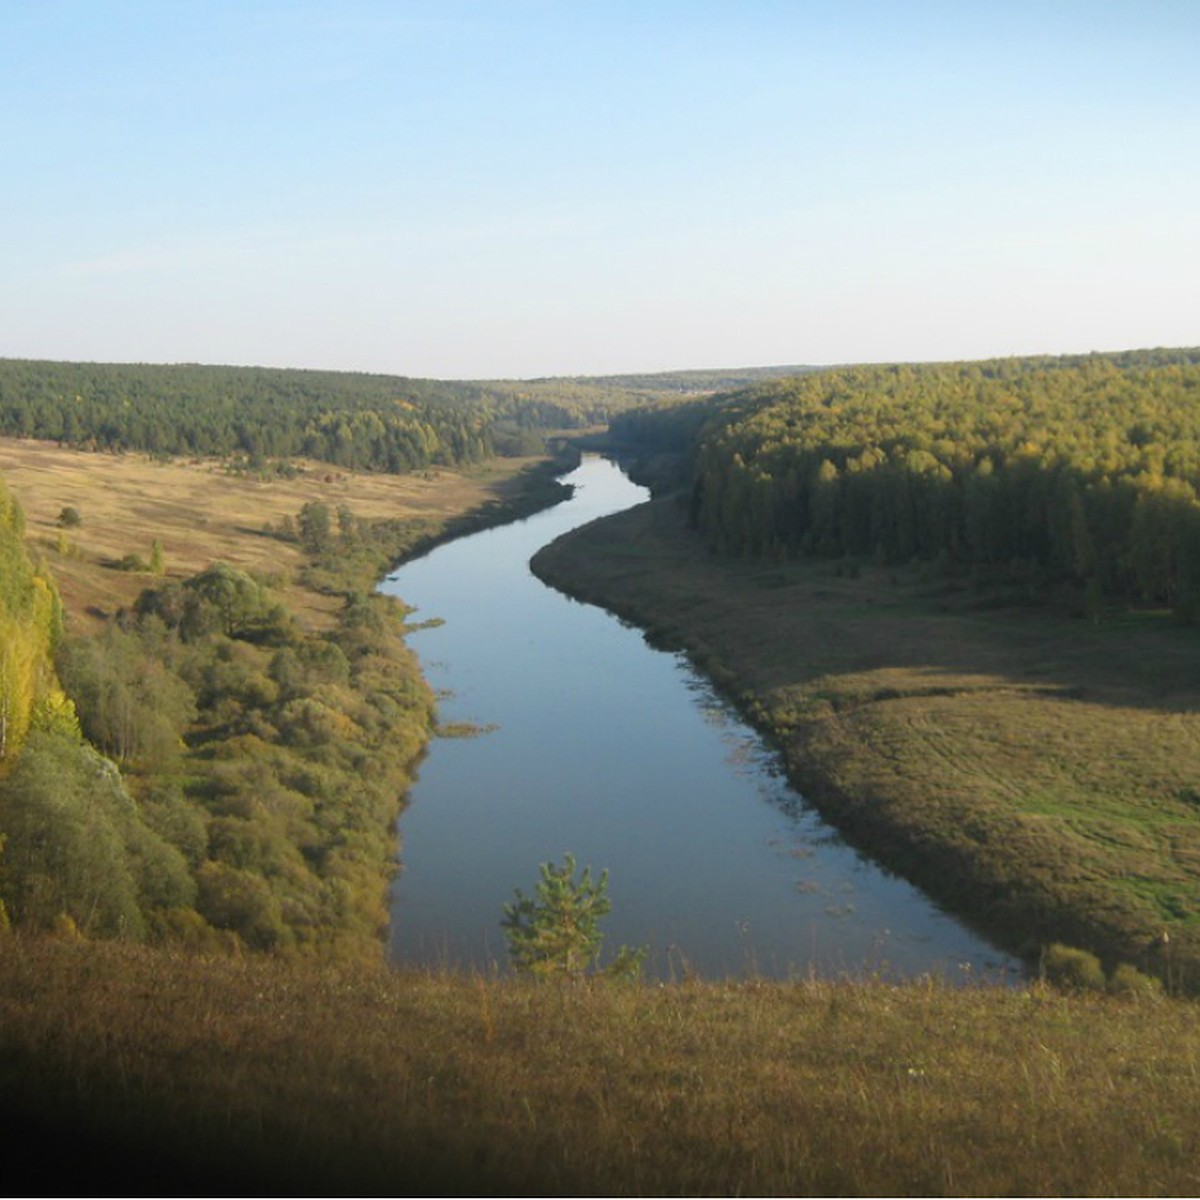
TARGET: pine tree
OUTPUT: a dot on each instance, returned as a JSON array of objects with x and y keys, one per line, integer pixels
[{"x": 557, "y": 932}]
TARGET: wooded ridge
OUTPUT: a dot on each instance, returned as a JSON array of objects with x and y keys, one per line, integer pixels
[{"x": 1081, "y": 471}]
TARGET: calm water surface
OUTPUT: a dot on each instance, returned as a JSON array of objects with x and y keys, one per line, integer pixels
[{"x": 598, "y": 745}]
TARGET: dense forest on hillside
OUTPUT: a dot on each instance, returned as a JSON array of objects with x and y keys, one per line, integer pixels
[
  {"x": 1081, "y": 470},
  {"x": 358, "y": 421}
]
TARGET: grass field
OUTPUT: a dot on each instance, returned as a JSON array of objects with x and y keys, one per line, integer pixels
[
  {"x": 255, "y": 1077},
  {"x": 1038, "y": 773},
  {"x": 203, "y": 513}
]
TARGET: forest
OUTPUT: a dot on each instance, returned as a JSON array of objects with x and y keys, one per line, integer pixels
[
  {"x": 1077, "y": 472},
  {"x": 357, "y": 421}
]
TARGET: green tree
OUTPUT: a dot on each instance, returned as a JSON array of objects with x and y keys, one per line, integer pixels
[
  {"x": 244, "y": 606},
  {"x": 316, "y": 528},
  {"x": 75, "y": 844},
  {"x": 131, "y": 705},
  {"x": 556, "y": 932}
]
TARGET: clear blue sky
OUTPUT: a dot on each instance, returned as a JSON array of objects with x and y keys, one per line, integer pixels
[{"x": 534, "y": 187}]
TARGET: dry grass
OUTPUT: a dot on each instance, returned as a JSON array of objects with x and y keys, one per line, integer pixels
[
  {"x": 1038, "y": 773},
  {"x": 299, "y": 1081},
  {"x": 202, "y": 513}
]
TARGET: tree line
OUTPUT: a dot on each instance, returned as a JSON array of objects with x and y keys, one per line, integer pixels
[
  {"x": 1083, "y": 469},
  {"x": 358, "y": 421}
]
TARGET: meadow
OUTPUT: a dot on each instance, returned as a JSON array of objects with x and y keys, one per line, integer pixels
[{"x": 204, "y": 511}]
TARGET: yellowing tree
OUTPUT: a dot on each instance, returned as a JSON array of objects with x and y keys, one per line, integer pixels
[{"x": 30, "y": 618}]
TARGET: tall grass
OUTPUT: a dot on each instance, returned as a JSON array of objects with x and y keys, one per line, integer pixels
[{"x": 302, "y": 1080}]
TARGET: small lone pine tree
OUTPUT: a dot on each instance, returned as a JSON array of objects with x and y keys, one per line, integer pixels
[{"x": 557, "y": 931}]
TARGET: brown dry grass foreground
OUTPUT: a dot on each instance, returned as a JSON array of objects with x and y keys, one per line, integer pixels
[
  {"x": 1039, "y": 774},
  {"x": 204, "y": 513},
  {"x": 183, "y": 1075}
]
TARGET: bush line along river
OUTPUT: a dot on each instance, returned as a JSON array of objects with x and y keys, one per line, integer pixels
[{"x": 587, "y": 740}]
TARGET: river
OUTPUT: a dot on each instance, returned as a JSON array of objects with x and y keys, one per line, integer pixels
[{"x": 589, "y": 741}]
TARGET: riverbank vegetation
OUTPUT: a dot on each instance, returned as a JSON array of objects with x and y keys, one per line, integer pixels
[
  {"x": 264, "y": 1076},
  {"x": 1013, "y": 722},
  {"x": 219, "y": 759}
]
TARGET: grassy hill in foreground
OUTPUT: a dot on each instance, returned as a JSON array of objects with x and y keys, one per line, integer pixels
[{"x": 301, "y": 1080}]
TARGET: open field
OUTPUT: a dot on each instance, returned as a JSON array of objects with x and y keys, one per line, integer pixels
[
  {"x": 256, "y": 1076},
  {"x": 202, "y": 512},
  {"x": 1039, "y": 774}
]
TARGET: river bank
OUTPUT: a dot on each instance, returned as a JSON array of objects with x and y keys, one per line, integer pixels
[{"x": 1033, "y": 773}]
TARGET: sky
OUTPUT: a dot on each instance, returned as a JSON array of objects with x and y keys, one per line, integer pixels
[{"x": 525, "y": 188}]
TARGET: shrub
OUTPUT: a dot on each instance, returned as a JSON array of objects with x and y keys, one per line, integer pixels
[
  {"x": 1128, "y": 981},
  {"x": 1073, "y": 969},
  {"x": 241, "y": 902}
]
